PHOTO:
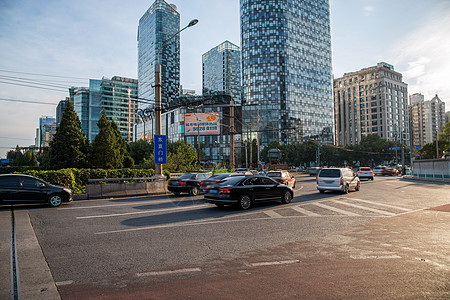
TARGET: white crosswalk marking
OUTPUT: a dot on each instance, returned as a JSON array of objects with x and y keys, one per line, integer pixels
[
  {"x": 305, "y": 212},
  {"x": 367, "y": 208},
  {"x": 273, "y": 214},
  {"x": 379, "y": 204},
  {"x": 344, "y": 212}
]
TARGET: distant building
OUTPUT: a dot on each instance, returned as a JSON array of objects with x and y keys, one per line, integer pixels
[
  {"x": 60, "y": 110},
  {"x": 222, "y": 71},
  {"x": 80, "y": 99},
  {"x": 427, "y": 118},
  {"x": 373, "y": 100},
  {"x": 45, "y": 131},
  {"x": 159, "y": 23},
  {"x": 286, "y": 70},
  {"x": 117, "y": 96}
]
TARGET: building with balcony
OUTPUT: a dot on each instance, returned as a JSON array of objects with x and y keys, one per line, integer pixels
[
  {"x": 286, "y": 70},
  {"x": 373, "y": 100},
  {"x": 427, "y": 118}
]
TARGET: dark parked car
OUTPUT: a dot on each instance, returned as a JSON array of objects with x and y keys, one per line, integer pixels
[
  {"x": 187, "y": 183},
  {"x": 243, "y": 191},
  {"x": 16, "y": 188}
]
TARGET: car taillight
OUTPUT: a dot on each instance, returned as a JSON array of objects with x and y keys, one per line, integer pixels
[
  {"x": 371, "y": 172},
  {"x": 279, "y": 180},
  {"x": 359, "y": 172},
  {"x": 342, "y": 181},
  {"x": 181, "y": 183},
  {"x": 224, "y": 191}
]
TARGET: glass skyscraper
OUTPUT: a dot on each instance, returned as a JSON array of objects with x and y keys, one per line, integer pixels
[
  {"x": 156, "y": 26},
  {"x": 286, "y": 69},
  {"x": 222, "y": 70}
]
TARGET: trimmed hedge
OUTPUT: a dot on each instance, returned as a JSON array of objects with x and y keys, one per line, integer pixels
[{"x": 76, "y": 179}]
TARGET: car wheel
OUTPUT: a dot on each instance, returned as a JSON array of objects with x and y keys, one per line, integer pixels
[
  {"x": 176, "y": 193},
  {"x": 245, "y": 202},
  {"x": 55, "y": 200},
  {"x": 286, "y": 198},
  {"x": 321, "y": 191},
  {"x": 293, "y": 186},
  {"x": 371, "y": 178},
  {"x": 193, "y": 191},
  {"x": 345, "y": 191},
  {"x": 357, "y": 187}
]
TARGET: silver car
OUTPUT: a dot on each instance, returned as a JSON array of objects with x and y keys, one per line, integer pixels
[{"x": 337, "y": 179}]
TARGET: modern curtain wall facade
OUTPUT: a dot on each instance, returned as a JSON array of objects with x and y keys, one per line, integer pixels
[
  {"x": 286, "y": 69},
  {"x": 221, "y": 70},
  {"x": 156, "y": 26}
]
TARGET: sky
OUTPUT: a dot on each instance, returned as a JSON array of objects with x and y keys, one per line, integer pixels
[{"x": 69, "y": 42}]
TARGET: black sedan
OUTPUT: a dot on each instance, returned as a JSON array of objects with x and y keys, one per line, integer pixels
[
  {"x": 16, "y": 188},
  {"x": 205, "y": 184},
  {"x": 243, "y": 191},
  {"x": 187, "y": 183}
]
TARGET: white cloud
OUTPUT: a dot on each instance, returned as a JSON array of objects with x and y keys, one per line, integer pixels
[
  {"x": 368, "y": 10},
  {"x": 423, "y": 57}
]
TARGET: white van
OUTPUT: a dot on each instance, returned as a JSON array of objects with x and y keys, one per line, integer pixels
[{"x": 337, "y": 179}]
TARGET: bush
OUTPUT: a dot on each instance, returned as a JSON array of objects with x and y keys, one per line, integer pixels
[{"x": 77, "y": 179}]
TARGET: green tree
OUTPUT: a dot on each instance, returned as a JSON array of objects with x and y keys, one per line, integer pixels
[
  {"x": 106, "y": 152},
  {"x": 18, "y": 159},
  {"x": 69, "y": 148},
  {"x": 181, "y": 157},
  {"x": 428, "y": 151},
  {"x": 125, "y": 158},
  {"x": 141, "y": 150}
]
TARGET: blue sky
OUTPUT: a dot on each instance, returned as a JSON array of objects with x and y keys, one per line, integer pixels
[{"x": 82, "y": 40}]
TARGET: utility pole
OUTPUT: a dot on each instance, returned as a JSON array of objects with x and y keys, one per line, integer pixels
[{"x": 232, "y": 162}]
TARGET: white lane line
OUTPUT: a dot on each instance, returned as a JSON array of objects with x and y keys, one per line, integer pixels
[
  {"x": 159, "y": 273},
  {"x": 61, "y": 283},
  {"x": 366, "y": 208},
  {"x": 273, "y": 263},
  {"x": 393, "y": 256},
  {"x": 305, "y": 212},
  {"x": 272, "y": 214},
  {"x": 191, "y": 207},
  {"x": 344, "y": 212},
  {"x": 380, "y": 204}
]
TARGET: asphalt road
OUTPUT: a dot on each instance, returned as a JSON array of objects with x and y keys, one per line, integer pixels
[{"x": 381, "y": 242}]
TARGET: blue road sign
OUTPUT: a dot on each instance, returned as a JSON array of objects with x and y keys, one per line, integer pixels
[
  {"x": 394, "y": 148},
  {"x": 160, "y": 149}
]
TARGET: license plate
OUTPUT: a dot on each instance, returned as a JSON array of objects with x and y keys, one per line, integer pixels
[
  {"x": 329, "y": 181},
  {"x": 213, "y": 191}
]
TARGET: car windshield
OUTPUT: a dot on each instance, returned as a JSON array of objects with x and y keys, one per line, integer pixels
[
  {"x": 330, "y": 173},
  {"x": 186, "y": 176},
  {"x": 364, "y": 169},
  {"x": 218, "y": 176},
  {"x": 230, "y": 180},
  {"x": 274, "y": 174}
]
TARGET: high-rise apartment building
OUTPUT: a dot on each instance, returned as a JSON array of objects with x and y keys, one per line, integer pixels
[
  {"x": 45, "y": 132},
  {"x": 286, "y": 69},
  {"x": 427, "y": 118},
  {"x": 159, "y": 23},
  {"x": 373, "y": 100},
  {"x": 221, "y": 67}
]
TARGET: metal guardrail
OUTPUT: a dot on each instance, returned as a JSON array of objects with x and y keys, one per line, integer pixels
[{"x": 120, "y": 180}]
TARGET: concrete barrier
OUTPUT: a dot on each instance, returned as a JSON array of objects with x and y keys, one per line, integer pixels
[
  {"x": 124, "y": 189},
  {"x": 432, "y": 169}
]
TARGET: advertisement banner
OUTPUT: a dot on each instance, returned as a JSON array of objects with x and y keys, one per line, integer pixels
[{"x": 202, "y": 123}]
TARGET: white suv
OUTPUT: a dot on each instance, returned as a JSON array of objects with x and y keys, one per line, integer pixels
[{"x": 337, "y": 179}]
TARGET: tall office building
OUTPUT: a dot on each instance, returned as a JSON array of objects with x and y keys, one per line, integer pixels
[
  {"x": 60, "y": 110},
  {"x": 427, "y": 118},
  {"x": 221, "y": 67},
  {"x": 156, "y": 26},
  {"x": 373, "y": 100},
  {"x": 80, "y": 99},
  {"x": 286, "y": 69},
  {"x": 118, "y": 97}
]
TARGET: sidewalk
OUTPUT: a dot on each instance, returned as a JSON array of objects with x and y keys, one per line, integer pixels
[{"x": 36, "y": 281}]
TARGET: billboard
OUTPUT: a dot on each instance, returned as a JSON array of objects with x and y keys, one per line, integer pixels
[{"x": 202, "y": 123}]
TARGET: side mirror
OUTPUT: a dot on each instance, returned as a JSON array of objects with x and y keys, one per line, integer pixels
[{"x": 42, "y": 185}]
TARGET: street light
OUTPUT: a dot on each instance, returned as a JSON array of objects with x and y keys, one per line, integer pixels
[{"x": 158, "y": 167}]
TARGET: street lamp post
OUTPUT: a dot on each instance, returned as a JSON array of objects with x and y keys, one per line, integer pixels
[{"x": 158, "y": 167}]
